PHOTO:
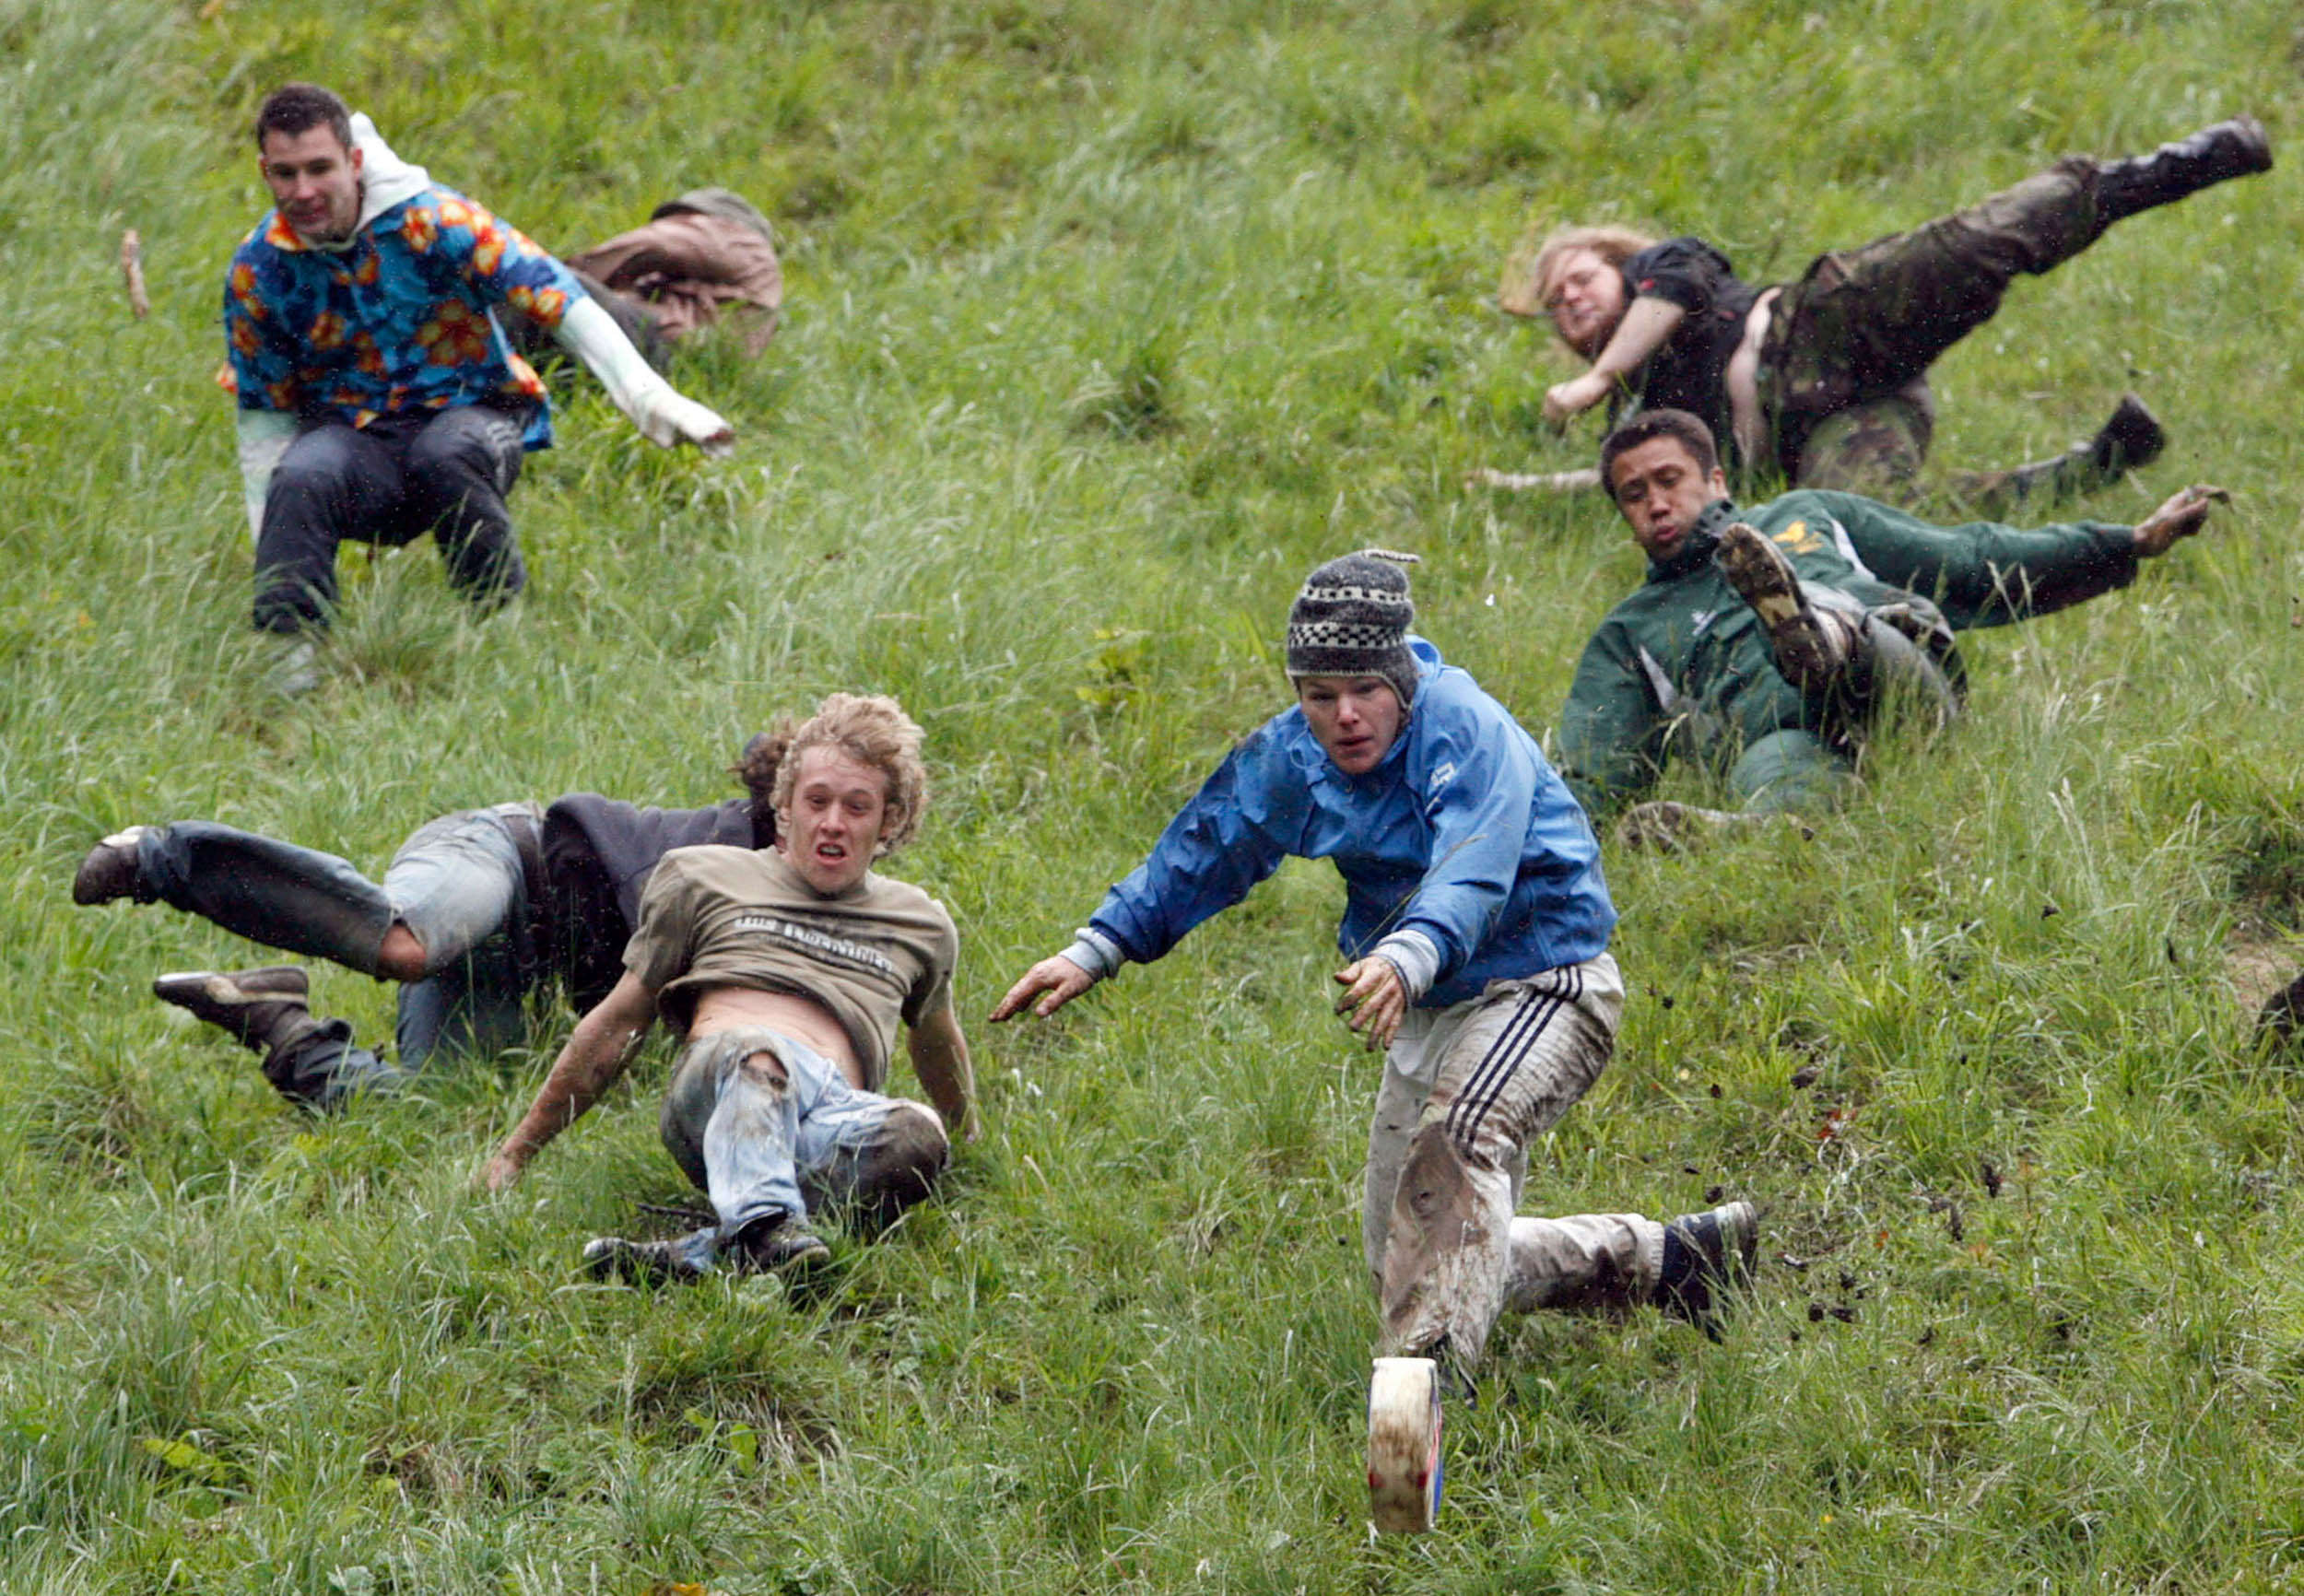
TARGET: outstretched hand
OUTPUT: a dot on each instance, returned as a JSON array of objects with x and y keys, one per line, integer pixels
[
  {"x": 669, "y": 418},
  {"x": 1056, "y": 976},
  {"x": 499, "y": 1172},
  {"x": 1563, "y": 400},
  {"x": 1375, "y": 999},
  {"x": 2182, "y": 515}
]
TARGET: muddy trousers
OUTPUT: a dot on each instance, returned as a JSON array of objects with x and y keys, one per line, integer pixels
[
  {"x": 762, "y": 1124},
  {"x": 445, "y": 472},
  {"x": 1465, "y": 1089},
  {"x": 1845, "y": 366}
]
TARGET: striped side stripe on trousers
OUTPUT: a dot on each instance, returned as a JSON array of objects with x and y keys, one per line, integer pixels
[{"x": 1521, "y": 1034}]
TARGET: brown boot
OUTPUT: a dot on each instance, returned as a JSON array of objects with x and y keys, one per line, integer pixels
[
  {"x": 265, "y": 1009},
  {"x": 1812, "y": 647}
]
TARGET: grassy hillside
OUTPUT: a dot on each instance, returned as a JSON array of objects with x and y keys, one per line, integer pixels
[{"x": 1105, "y": 322}]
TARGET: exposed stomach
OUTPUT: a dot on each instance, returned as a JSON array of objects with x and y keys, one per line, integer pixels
[
  {"x": 726, "y": 1008},
  {"x": 1744, "y": 386}
]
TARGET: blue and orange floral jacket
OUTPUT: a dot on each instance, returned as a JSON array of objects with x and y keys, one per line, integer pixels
[{"x": 401, "y": 318}]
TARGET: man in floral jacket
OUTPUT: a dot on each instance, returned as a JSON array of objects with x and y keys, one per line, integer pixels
[{"x": 378, "y": 397}]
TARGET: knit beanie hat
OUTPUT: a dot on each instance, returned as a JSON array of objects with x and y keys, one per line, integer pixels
[{"x": 1352, "y": 618}]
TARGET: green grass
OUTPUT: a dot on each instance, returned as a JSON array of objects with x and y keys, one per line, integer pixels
[{"x": 1106, "y": 322}]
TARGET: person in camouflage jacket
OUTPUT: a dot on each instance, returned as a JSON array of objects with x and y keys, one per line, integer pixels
[
  {"x": 1717, "y": 657},
  {"x": 1824, "y": 380}
]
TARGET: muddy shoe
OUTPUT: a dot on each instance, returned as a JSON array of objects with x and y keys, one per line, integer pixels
[
  {"x": 1404, "y": 1464},
  {"x": 1810, "y": 648},
  {"x": 678, "y": 1257},
  {"x": 263, "y": 1008},
  {"x": 777, "y": 1243},
  {"x": 110, "y": 870},
  {"x": 1666, "y": 826},
  {"x": 1705, "y": 1255}
]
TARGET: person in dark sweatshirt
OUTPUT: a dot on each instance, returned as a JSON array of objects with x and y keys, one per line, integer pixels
[
  {"x": 1767, "y": 642},
  {"x": 1823, "y": 381},
  {"x": 478, "y": 910}
]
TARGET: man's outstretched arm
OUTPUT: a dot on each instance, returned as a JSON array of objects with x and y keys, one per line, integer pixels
[
  {"x": 662, "y": 414},
  {"x": 1646, "y": 325},
  {"x": 598, "y": 1050},
  {"x": 939, "y": 1054}
]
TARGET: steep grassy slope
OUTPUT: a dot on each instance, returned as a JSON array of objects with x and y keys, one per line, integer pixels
[{"x": 1106, "y": 322}]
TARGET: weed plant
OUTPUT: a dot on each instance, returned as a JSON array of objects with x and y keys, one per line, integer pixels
[{"x": 1106, "y": 322}]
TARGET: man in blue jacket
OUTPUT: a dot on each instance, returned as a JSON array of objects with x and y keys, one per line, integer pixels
[{"x": 1475, "y": 936}]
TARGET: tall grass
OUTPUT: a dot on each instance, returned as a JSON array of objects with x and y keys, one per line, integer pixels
[{"x": 1106, "y": 322}]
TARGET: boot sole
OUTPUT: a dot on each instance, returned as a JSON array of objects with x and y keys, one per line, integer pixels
[
  {"x": 192, "y": 987},
  {"x": 1759, "y": 576},
  {"x": 1405, "y": 1466},
  {"x": 1770, "y": 588}
]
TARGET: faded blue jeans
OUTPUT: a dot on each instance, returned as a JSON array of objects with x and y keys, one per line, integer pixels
[
  {"x": 764, "y": 1123},
  {"x": 456, "y": 884}
]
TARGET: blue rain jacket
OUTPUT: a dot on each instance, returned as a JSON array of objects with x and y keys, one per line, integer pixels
[{"x": 1465, "y": 833}]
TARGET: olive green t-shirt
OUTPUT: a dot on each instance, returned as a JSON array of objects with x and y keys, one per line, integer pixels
[{"x": 721, "y": 917}]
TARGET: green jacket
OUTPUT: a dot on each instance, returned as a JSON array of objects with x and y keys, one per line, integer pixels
[{"x": 1683, "y": 661}]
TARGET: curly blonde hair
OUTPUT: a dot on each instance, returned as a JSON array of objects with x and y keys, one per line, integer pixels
[
  {"x": 872, "y": 731},
  {"x": 1532, "y": 272}
]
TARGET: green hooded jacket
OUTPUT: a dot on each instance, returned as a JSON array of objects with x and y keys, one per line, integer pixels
[{"x": 1683, "y": 663}]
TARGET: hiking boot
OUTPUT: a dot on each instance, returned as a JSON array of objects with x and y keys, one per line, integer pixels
[
  {"x": 1811, "y": 647},
  {"x": 2236, "y": 148},
  {"x": 110, "y": 870},
  {"x": 648, "y": 1262},
  {"x": 1706, "y": 1254},
  {"x": 264, "y": 1009},
  {"x": 776, "y": 1243},
  {"x": 2132, "y": 437}
]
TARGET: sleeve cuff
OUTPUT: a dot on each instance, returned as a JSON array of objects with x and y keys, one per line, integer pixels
[
  {"x": 1095, "y": 953},
  {"x": 1414, "y": 956}
]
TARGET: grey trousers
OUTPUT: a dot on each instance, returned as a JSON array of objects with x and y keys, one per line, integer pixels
[{"x": 1465, "y": 1089}]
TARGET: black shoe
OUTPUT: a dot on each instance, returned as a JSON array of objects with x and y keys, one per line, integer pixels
[
  {"x": 110, "y": 870},
  {"x": 643, "y": 1262},
  {"x": 1705, "y": 1255},
  {"x": 2132, "y": 437},
  {"x": 265, "y": 1008},
  {"x": 776, "y": 1243},
  {"x": 2236, "y": 148}
]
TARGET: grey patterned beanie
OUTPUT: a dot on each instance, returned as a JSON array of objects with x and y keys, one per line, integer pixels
[{"x": 1352, "y": 618}]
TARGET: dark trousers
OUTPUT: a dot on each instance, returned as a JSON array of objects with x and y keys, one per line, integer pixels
[
  {"x": 1843, "y": 369},
  {"x": 456, "y": 883},
  {"x": 445, "y": 472}
]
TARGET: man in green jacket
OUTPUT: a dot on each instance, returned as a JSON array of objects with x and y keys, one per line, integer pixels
[{"x": 1769, "y": 642}]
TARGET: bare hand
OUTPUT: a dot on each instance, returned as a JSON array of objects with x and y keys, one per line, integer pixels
[
  {"x": 1057, "y": 976},
  {"x": 2181, "y": 516},
  {"x": 1573, "y": 397},
  {"x": 1374, "y": 998},
  {"x": 500, "y": 1172}
]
